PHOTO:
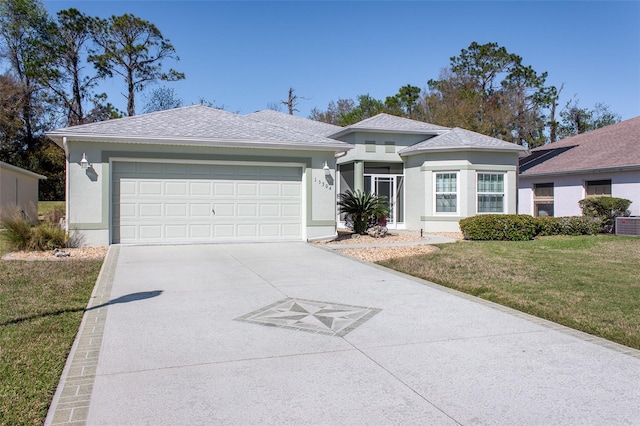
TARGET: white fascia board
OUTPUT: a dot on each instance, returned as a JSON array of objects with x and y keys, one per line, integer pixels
[
  {"x": 461, "y": 148},
  {"x": 582, "y": 171},
  {"x": 214, "y": 143}
]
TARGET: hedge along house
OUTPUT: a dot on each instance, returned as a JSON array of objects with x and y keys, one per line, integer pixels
[
  {"x": 19, "y": 190},
  {"x": 605, "y": 161},
  {"x": 433, "y": 176},
  {"x": 198, "y": 174}
]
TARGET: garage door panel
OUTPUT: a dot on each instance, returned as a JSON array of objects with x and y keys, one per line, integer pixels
[
  {"x": 225, "y": 210},
  {"x": 200, "y": 210},
  {"x": 223, "y": 189},
  {"x": 150, "y": 188},
  {"x": 247, "y": 189},
  {"x": 176, "y": 210},
  {"x": 176, "y": 231},
  {"x": 269, "y": 189},
  {"x": 150, "y": 210},
  {"x": 156, "y": 202},
  {"x": 176, "y": 189},
  {"x": 200, "y": 188}
]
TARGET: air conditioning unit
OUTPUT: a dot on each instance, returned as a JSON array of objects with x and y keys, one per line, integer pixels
[{"x": 628, "y": 225}]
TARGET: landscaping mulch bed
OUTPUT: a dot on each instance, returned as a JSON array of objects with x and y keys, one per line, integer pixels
[{"x": 82, "y": 253}]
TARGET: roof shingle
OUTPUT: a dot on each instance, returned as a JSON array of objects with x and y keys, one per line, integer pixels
[
  {"x": 293, "y": 122},
  {"x": 458, "y": 139},
  {"x": 614, "y": 146},
  {"x": 198, "y": 125}
]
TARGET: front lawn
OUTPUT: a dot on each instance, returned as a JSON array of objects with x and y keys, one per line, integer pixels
[
  {"x": 589, "y": 283},
  {"x": 41, "y": 306}
]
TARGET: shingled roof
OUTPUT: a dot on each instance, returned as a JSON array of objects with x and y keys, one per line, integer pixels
[
  {"x": 293, "y": 122},
  {"x": 391, "y": 124},
  {"x": 613, "y": 147},
  {"x": 461, "y": 139},
  {"x": 197, "y": 125}
]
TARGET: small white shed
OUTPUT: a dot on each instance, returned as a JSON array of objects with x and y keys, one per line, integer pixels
[{"x": 19, "y": 189}]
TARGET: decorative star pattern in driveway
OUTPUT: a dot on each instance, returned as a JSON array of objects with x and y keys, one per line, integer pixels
[{"x": 333, "y": 319}]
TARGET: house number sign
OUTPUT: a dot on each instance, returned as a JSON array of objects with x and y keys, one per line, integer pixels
[{"x": 322, "y": 183}]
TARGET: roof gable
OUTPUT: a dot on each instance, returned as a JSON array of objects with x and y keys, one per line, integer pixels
[
  {"x": 197, "y": 125},
  {"x": 461, "y": 139},
  {"x": 614, "y": 146}
]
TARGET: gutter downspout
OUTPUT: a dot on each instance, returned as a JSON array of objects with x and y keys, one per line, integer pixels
[{"x": 66, "y": 184}]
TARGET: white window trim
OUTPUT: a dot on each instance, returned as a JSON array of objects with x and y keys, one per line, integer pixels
[
  {"x": 435, "y": 201},
  {"x": 504, "y": 192}
]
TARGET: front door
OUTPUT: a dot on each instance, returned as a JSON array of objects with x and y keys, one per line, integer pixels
[{"x": 389, "y": 186}]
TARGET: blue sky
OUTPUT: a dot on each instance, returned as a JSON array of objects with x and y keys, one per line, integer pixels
[{"x": 244, "y": 55}]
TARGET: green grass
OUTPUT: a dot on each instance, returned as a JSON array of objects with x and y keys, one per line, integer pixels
[
  {"x": 589, "y": 283},
  {"x": 41, "y": 306},
  {"x": 46, "y": 208}
]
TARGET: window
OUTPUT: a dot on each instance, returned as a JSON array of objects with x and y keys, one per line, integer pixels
[
  {"x": 543, "y": 199},
  {"x": 598, "y": 187},
  {"x": 490, "y": 192},
  {"x": 390, "y": 147},
  {"x": 446, "y": 192},
  {"x": 369, "y": 146}
]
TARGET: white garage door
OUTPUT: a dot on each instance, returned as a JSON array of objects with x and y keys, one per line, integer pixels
[{"x": 170, "y": 202}]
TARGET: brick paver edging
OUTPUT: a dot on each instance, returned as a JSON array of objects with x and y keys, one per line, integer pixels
[{"x": 70, "y": 404}]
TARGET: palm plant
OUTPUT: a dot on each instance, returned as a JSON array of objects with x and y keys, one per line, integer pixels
[{"x": 362, "y": 209}]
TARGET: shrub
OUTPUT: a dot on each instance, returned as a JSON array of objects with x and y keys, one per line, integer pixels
[
  {"x": 500, "y": 227},
  {"x": 20, "y": 235},
  {"x": 47, "y": 236},
  {"x": 16, "y": 229},
  {"x": 55, "y": 215},
  {"x": 362, "y": 209},
  {"x": 571, "y": 225},
  {"x": 605, "y": 209}
]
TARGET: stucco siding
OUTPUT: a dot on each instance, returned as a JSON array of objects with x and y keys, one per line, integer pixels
[
  {"x": 89, "y": 197},
  {"x": 19, "y": 191},
  {"x": 570, "y": 189}
]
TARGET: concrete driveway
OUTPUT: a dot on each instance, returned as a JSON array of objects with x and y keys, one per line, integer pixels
[{"x": 296, "y": 334}]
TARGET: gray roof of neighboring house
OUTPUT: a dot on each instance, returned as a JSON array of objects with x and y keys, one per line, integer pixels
[
  {"x": 612, "y": 147},
  {"x": 391, "y": 124},
  {"x": 197, "y": 125},
  {"x": 17, "y": 169},
  {"x": 461, "y": 139},
  {"x": 293, "y": 122}
]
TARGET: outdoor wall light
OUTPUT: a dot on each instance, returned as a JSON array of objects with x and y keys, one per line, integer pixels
[
  {"x": 84, "y": 163},
  {"x": 327, "y": 170}
]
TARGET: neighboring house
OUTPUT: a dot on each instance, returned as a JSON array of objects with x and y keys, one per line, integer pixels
[
  {"x": 197, "y": 174},
  {"x": 200, "y": 174},
  {"x": 19, "y": 190},
  {"x": 606, "y": 161}
]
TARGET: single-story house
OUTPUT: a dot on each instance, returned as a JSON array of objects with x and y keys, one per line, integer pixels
[
  {"x": 200, "y": 174},
  {"x": 19, "y": 190},
  {"x": 605, "y": 161}
]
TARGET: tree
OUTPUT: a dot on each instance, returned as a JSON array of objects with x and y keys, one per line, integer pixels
[
  {"x": 576, "y": 120},
  {"x": 292, "y": 101},
  {"x": 367, "y": 107},
  {"x": 10, "y": 118},
  {"x": 405, "y": 102},
  {"x": 134, "y": 49},
  {"x": 22, "y": 25},
  {"x": 335, "y": 113},
  {"x": 489, "y": 90},
  {"x": 66, "y": 47},
  {"x": 162, "y": 98}
]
